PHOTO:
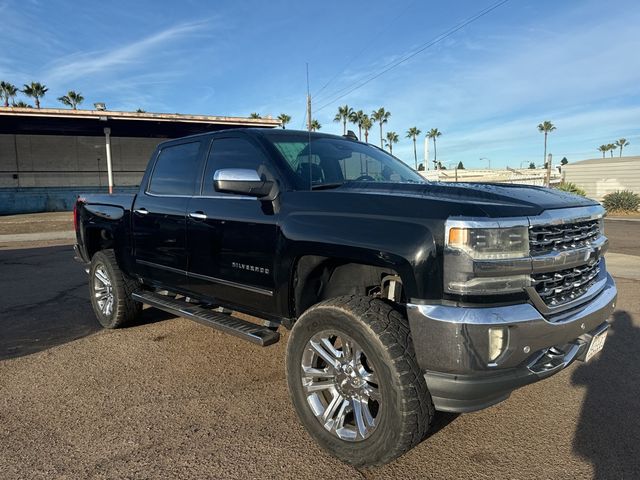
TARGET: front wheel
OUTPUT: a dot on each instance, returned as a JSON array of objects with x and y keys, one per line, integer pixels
[
  {"x": 354, "y": 380},
  {"x": 110, "y": 289}
]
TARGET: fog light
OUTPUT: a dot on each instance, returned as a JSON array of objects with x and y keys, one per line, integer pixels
[{"x": 497, "y": 342}]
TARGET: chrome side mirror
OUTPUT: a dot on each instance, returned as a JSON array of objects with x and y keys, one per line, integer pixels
[{"x": 242, "y": 181}]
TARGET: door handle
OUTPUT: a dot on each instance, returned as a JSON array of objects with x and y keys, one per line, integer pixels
[
  {"x": 198, "y": 216},
  {"x": 141, "y": 211}
]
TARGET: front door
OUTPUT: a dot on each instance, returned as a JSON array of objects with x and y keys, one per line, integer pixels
[
  {"x": 159, "y": 215},
  {"x": 232, "y": 238}
]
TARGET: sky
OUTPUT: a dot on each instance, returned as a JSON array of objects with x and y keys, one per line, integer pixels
[{"x": 485, "y": 87}]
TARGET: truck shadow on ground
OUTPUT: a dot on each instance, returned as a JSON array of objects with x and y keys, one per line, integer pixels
[
  {"x": 608, "y": 431},
  {"x": 45, "y": 301}
]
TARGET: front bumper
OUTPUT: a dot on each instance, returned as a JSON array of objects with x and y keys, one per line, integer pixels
[{"x": 451, "y": 345}]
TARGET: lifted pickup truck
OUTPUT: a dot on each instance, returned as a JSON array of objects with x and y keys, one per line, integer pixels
[{"x": 403, "y": 296}]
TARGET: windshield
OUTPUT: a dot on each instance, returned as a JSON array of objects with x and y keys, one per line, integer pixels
[{"x": 333, "y": 161}]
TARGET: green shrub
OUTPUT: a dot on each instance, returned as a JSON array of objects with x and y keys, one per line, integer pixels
[
  {"x": 571, "y": 188},
  {"x": 621, "y": 201}
]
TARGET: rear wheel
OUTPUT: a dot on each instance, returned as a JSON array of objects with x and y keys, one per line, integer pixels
[
  {"x": 111, "y": 290},
  {"x": 354, "y": 380}
]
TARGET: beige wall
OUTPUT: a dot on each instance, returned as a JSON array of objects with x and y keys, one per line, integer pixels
[
  {"x": 59, "y": 160},
  {"x": 599, "y": 177}
]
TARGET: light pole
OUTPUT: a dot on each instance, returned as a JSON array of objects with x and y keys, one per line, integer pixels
[
  {"x": 488, "y": 160},
  {"x": 107, "y": 136}
]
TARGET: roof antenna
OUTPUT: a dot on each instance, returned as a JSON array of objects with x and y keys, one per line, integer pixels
[{"x": 309, "y": 129}]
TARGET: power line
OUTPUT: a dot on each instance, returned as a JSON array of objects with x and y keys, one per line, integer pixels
[
  {"x": 365, "y": 48},
  {"x": 423, "y": 47}
]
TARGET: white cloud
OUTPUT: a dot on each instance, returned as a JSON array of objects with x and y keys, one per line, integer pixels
[{"x": 92, "y": 63}]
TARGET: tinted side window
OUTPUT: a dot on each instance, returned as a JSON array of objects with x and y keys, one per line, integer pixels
[
  {"x": 176, "y": 170},
  {"x": 230, "y": 153}
]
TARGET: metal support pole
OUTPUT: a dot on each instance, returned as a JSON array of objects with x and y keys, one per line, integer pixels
[
  {"x": 107, "y": 135},
  {"x": 547, "y": 180},
  {"x": 309, "y": 112}
]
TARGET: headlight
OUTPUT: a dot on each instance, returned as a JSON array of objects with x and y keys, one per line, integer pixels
[
  {"x": 471, "y": 246},
  {"x": 490, "y": 243}
]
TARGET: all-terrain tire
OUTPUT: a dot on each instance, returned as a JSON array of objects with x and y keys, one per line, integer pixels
[
  {"x": 382, "y": 331},
  {"x": 117, "y": 288}
]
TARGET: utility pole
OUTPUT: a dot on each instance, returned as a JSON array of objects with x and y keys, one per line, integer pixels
[
  {"x": 308, "y": 104},
  {"x": 426, "y": 152},
  {"x": 107, "y": 135},
  {"x": 547, "y": 180}
]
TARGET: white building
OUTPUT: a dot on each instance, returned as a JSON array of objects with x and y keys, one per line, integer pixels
[{"x": 600, "y": 176}]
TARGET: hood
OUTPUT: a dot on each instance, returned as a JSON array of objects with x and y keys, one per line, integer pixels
[{"x": 494, "y": 200}]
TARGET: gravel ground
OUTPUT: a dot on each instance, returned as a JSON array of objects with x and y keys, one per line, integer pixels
[{"x": 169, "y": 398}]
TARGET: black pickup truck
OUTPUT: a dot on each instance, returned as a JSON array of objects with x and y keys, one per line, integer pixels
[{"x": 403, "y": 296}]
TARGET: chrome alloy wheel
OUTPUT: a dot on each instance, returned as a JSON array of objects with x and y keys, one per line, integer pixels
[
  {"x": 341, "y": 386},
  {"x": 103, "y": 290}
]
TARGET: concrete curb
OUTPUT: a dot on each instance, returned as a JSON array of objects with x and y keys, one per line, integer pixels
[
  {"x": 35, "y": 237},
  {"x": 623, "y": 219}
]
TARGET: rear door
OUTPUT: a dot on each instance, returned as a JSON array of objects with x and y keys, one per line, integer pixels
[
  {"x": 159, "y": 214},
  {"x": 231, "y": 237}
]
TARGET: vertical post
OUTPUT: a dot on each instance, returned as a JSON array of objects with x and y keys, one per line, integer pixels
[
  {"x": 107, "y": 136},
  {"x": 547, "y": 180},
  {"x": 456, "y": 173},
  {"x": 426, "y": 153},
  {"x": 308, "y": 112}
]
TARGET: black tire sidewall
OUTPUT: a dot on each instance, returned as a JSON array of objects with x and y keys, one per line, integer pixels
[
  {"x": 385, "y": 433},
  {"x": 100, "y": 259}
]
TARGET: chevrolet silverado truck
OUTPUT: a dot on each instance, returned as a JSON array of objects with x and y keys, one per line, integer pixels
[{"x": 403, "y": 297}]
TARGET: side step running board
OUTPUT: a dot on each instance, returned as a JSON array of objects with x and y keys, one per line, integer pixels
[{"x": 257, "y": 334}]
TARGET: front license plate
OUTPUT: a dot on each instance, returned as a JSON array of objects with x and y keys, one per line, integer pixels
[{"x": 596, "y": 345}]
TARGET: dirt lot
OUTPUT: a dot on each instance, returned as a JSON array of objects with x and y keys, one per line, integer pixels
[
  {"x": 172, "y": 399},
  {"x": 36, "y": 222}
]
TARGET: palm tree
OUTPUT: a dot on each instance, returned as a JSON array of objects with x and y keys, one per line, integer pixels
[
  {"x": 315, "y": 125},
  {"x": 21, "y": 104},
  {"x": 72, "y": 99},
  {"x": 413, "y": 133},
  {"x": 433, "y": 134},
  {"x": 254, "y": 115},
  {"x": 620, "y": 143},
  {"x": 366, "y": 126},
  {"x": 546, "y": 127},
  {"x": 343, "y": 115},
  {"x": 7, "y": 92},
  {"x": 392, "y": 137},
  {"x": 604, "y": 149},
  {"x": 36, "y": 90},
  {"x": 612, "y": 147},
  {"x": 284, "y": 119},
  {"x": 356, "y": 118},
  {"x": 381, "y": 116}
]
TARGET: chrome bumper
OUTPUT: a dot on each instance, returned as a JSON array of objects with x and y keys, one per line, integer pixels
[{"x": 451, "y": 345}]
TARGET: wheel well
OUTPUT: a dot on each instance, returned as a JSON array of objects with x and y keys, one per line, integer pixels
[
  {"x": 318, "y": 278},
  {"x": 97, "y": 239}
]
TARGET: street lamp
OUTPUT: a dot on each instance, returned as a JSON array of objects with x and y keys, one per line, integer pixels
[{"x": 488, "y": 160}]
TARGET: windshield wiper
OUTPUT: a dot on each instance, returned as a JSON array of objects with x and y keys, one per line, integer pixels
[{"x": 323, "y": 186}]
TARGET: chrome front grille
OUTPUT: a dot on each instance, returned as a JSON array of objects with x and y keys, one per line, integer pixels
[
  {"x": 563, "y": 286},
  {"x": 549, "y": 238}
]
